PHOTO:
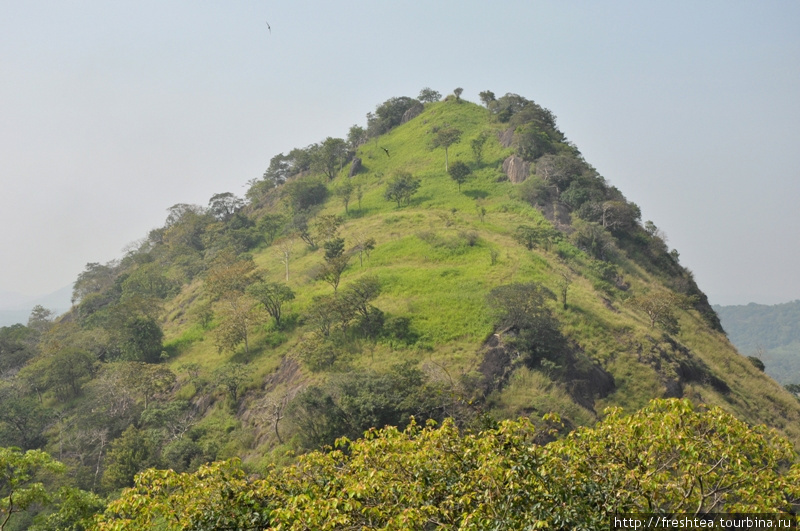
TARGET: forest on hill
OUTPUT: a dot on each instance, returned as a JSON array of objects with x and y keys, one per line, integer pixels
[
  {"x": 450, "y": 279},
  {"x": 768, "y": 332}
]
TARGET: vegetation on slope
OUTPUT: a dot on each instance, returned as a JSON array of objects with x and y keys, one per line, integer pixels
[{"x": 365, "y": 281}]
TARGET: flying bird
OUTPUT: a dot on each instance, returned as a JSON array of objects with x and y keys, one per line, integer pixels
[
  {"x": 386, "y": 150},
  {"x": 269, "y": 28}
]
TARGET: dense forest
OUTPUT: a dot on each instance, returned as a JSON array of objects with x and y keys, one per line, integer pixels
[{"x": 419, "y": 325}]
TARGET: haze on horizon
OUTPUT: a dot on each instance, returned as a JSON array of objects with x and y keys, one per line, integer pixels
[{"x": 114, "y": 112}]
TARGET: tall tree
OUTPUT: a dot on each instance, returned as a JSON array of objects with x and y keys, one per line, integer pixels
[
  {"x": 445, "y": 138},
  {"x": 344, "y": 192},
  {"x": 477, "y": 144},
  {"x": 330, "y": 157},
  {"x": 272, "y": 295},
  {"x": 223, "y": 206}
]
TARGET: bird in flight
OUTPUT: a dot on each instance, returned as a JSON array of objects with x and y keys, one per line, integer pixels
[
  {"x": 269, "y": 28},
  {"x": 386, "y": 150}
]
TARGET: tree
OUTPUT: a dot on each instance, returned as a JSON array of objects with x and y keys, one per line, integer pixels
[
  {"x": 230, "y": 275},
  {"x": 660, "y": 307},
  {"x": 359, "y": 195},
  {"x": 402, "y": 188},
  {"x": 344, "y": 192},
  {"x": 270, "y": 225},
  {"x": 237, "y": 313},
  {"x": 23, "y": 476},
  {"x": 357, "y": 297},
  {"x": 332, "y": 270},
  {"x": 445, "y": 138},
  {"x": 487, "y": 97},
  {"x": 620, "y": 215},
  {"x": 428, "y": 95},
  {"x": 672, "y": 457},
  {"x": 669, "y": 458},
  {"x": 330, "y": 157},
  {"x": 459, "y": 172},
  {"x": 16, "y": 347},
  {"x": 457, "y": 92},
  {"x": 363, "y": 246},
  {"x": 389, "y": 114},
  {"x": 522, "y": 308},
  {"x": 223, "y": 206},
  {"x": 40, "y": 319},
  {"x": 285, "y": 246},
  {"x": 22, "y": 419},
  {"x": 272, "y": 295},
  {"x": 63, "y": 372},
  {"x": 533, "y": 236},
  {"x": 141, "y": 340},
  {"x": 232, "y": 376},
  {"x": 477, "y": 145},
  {"x": 94, "y": 279},
  {"x": 356, "y": 136},
  {"x": 280, "y": 169},
  {"x": 327, "y": 226},
  {"x": 130, "y": 453},
  {"x": 303, "y": 193},
  {"x": 563, "y": 287}
]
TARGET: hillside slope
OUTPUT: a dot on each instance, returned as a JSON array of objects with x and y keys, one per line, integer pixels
[{"x": 326, "y": 304}]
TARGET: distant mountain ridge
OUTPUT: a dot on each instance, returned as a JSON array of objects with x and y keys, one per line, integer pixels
[
  {"x": 770, "y": 332},
  {"x": 16, "y": 307}
]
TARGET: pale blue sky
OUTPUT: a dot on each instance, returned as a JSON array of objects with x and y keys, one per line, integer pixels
[{"x": 110, "y": 112}]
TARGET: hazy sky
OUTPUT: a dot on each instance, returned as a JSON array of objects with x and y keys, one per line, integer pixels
[{"x": 111, "y": 112}]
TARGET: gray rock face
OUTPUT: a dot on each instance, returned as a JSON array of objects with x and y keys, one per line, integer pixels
[
  {"x": 517, "y": 169},
  {"x": 355, "y": 167},
  {"x": 411, "y": 113},
  {"x": 506, "y": 138}
]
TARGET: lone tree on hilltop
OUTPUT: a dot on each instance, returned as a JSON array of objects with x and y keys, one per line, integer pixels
[{"x": 428, "y": 95}]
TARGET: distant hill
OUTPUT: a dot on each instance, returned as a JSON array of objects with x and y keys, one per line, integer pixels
[
  {"x": 771, "y": 332},
  {"x": 16, "y": 308}
]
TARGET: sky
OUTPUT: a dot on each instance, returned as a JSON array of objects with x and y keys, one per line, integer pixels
[{"x": 111, "y": 112}]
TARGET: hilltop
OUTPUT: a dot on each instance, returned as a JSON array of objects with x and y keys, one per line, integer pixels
[{"x": 449, "y": 259}]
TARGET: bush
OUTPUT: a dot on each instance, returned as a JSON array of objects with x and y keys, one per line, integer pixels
[{"x": 305, "y": 192}]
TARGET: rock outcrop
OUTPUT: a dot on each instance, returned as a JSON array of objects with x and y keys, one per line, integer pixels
[{"x": 517, "y": 169}]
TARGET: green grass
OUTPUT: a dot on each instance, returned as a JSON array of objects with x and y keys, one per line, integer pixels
[{"x": 434, "y": 260}]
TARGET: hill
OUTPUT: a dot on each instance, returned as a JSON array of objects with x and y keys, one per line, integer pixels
[
  {"x": 770, "y": 332},
  {"x": 448, "y": 260}
]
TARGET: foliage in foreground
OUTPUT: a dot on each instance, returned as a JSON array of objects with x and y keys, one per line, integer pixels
[{"x": 670, "y": 457}]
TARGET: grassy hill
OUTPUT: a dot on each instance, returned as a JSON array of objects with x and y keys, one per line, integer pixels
[{"x": 492, "y": 301}]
